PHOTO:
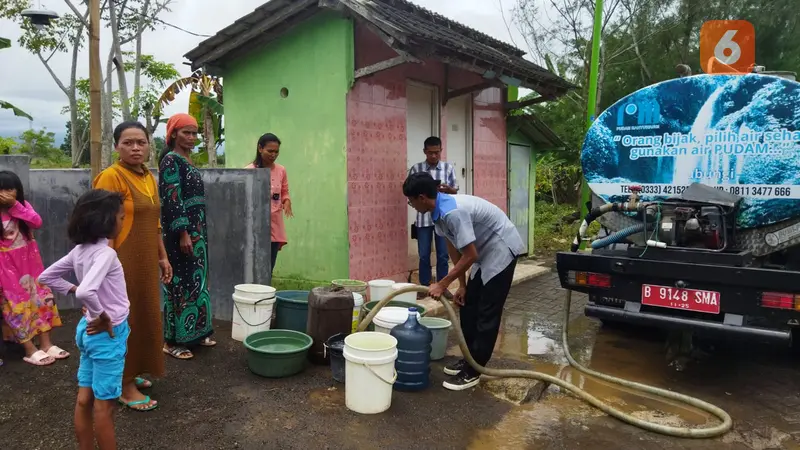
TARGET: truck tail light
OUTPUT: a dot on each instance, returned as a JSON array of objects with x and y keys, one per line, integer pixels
[
  {"x": 780, "y": 300},
  {"x": 590, "y": 279}
]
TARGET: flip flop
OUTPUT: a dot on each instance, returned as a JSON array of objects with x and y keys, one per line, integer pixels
[
  {"x": 145, "y": 401},
  {"x": 207, "y": 342},
  {"x": 57, "y": 352},
  {"x": 182, "y": 353},
  {"x": 141, "y": 383},
  {"x": 38, "y": 358}
]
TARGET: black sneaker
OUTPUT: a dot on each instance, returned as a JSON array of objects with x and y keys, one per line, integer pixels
[
  {"x": 462, "y": 381},
  {"x": 456, "y": 368}
]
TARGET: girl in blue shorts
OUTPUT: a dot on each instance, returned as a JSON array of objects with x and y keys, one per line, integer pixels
[{"x": 102, "y": 333}]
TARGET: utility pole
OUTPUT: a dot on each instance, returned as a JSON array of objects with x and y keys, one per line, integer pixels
[
  {"x": 594, "y": 72},
  {"x": 95, "y": 85}
]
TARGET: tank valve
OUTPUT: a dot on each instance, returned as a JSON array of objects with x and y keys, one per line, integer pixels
[{"x": 633, "y": 202}]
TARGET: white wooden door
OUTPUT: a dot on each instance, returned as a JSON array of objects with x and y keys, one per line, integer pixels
[
  {"x": 459, "y": 140},
  {"x": 422, "y": 122}
]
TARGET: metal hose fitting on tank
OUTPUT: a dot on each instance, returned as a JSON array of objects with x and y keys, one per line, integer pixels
[{"x": 684, "y": 432}]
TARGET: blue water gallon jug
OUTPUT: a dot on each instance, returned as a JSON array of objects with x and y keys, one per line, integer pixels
[{"x": 413, "y": 364}]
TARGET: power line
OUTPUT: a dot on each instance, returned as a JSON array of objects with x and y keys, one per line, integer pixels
[{"x": 163, "y": 22}]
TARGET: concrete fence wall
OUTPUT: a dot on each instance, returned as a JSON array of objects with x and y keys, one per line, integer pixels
[{"x": 237, "y": 202}]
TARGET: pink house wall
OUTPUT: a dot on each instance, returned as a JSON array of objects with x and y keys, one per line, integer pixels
[{"x": 377, "y": 153}]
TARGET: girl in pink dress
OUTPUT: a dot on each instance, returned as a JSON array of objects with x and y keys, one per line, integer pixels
[
  {"x": 269, "y": 146},
  {"x": 28, "y": 307}
]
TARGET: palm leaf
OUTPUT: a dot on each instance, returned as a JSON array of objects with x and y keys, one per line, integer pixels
[
  {"x": 4, "y": 43},
  {"x": 212, "y": 104},
  {"x": 172, "y": 91},
  {"x": 17, "y": 112},
  {"x": 195, "y": 107}
]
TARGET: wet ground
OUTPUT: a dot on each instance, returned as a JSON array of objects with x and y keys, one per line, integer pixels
[
  {"x": 214, "y": 402},
  {"x": 758, "y": 386}
]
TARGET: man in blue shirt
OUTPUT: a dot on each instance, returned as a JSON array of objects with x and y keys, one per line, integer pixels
[
  {"x": 479, "y": 237},
  {"x": 446, "y": 174}
]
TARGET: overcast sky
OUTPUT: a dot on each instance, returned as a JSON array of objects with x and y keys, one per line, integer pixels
[{"x": 26, "y": 83}]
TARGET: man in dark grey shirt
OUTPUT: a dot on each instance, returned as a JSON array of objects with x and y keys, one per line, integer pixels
[{"x": 479, "y": 237}]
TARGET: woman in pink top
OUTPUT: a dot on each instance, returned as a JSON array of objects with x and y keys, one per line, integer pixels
[
  {"x": 27, "y": 306},
  {"x": 269, "y": 146}
]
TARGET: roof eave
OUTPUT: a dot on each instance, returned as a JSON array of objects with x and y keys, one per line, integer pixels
[{"x": 532, "y": 126}]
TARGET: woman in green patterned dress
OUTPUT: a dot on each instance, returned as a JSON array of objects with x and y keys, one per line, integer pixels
[{"x": 187, "y": 304}]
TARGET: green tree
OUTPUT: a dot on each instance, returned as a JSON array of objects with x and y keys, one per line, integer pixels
[
  {"x": 127, "y": 20},
  {"x": 7, "y": 146},
  {"x": 40, "y": 146}
]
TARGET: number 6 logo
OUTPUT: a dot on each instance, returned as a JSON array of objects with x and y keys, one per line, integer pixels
[{"x": 727, "y": 46}]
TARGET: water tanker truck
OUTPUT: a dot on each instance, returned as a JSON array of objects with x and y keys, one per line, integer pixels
[{"x": 696, "y": 181}]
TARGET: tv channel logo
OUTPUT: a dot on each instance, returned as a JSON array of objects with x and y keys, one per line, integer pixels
[
  {"x": 727, "y": 46},
  {"x": 646, "y": 112}
]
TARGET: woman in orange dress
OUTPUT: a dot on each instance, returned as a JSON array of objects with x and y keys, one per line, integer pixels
[
  {"x": 267, "y": 151},
  {"x": 141, "y": 251}
]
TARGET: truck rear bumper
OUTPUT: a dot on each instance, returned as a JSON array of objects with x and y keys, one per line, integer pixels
[{"x": 711, "y": 329}]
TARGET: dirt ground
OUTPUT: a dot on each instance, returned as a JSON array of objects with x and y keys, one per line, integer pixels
[{"x": 214, "y": 402}]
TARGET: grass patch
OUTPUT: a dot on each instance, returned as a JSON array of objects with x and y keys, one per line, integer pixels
[
  {"x": 296, "y": 284},
  {"x": 555, "y": 228}
]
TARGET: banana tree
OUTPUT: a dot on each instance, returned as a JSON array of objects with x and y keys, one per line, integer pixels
[
  {"x": 6, "y": 43},
  {"x": 205, "y": 105}
]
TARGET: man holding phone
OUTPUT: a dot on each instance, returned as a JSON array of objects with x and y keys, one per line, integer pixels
[{"x": 445, "y": 175}]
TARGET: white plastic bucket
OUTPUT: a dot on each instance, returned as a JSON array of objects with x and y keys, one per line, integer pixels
[
  {"x": 369, "y": 371},
  {"x": 358, "y": 301},
  {"x": 410, "y": 297},
  {"x": 390, "y": 317},
  {"x": 252, "y": 309},
  {"x": 379, "y": 289}
]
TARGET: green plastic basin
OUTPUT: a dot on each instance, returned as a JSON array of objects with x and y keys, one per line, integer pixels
[
  {"x": 368, "y": 308},
  {"x": 277, "y": 353},
  {"x": 291, "y": 310}
]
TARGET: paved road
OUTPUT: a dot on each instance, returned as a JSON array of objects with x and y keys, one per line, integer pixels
[{"x": 759, "y": 386}]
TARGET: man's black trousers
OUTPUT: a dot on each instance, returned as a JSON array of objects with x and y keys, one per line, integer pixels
[{"x": 483, "y": 311}]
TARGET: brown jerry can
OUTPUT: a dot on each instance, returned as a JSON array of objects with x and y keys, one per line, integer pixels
[{"x": 330, "y": 311}]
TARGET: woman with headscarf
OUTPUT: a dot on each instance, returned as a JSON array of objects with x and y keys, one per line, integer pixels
[
  {"x": 142, "y": 254},
  {"x": 187, "y": 303}
]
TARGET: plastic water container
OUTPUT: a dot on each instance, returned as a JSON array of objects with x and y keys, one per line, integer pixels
[
  {"x": 291, "y": 310},
  {"x": 413, "y": 364},
  {"x": 410, "y": 297},
  {"x": 358, "y": 301},
  {"x": 330, "y": 311},
  {"x": 389, "y": 317},
  {"x": 334, "y": 348},
  {"x": 440, "y": 328},
  {"x": 252, "y": 309},
  {"x": 379, "y": 289},
  {"x": 369, "y": 371}
]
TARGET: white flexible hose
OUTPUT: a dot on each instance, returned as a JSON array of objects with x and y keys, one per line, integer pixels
[{"x": 685, "y": 432}]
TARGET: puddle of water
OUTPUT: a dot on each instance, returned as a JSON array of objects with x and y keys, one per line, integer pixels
[
  {"x": 522, "y": 428},
  {"x": 537, "y": 342}
]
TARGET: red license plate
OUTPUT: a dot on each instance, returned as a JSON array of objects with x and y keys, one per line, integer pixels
[{"x": 676, "y": 298}]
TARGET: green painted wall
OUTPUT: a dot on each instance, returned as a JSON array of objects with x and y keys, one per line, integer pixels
[
  {"x": 314, "y": 62},
  {"x": 517, "y": 138}
]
